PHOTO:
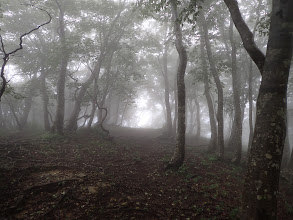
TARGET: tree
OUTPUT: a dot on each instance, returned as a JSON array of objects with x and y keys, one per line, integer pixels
[
  {"x": 214, "y": 134},
  {"x": 107, "y": 34},
  {"x": 179, "y": 154},
  {"x": 167, "y": 87},
  {"x": 237, "y": 135},
  {"x": 59, "y": 119},
  {"x": 215, "y": 74},
  {"x": 259, "y": 198}
]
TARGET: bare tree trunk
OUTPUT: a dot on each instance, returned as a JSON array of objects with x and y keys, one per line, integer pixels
[
  {"x": 94, "y": 103},
  {"x": 214, "y": 134},
  {"x": 237, "y": 136},
  {"x": 45, "y": 101},
  {"x": 179, "y": 154},
  {"x": 167, "y": 90},
  {"x": 250, "y": 101},
  {"x": 220, "y": 117},
  {"x": 190, "y": 116},
  {"x": 250, "y": 77},
  {"x": 14, "y": 114},
  {"x": 27, "y": 107},
  {"x": 198, "y": 124},
  {"x": 28, "y": 103},
  {"x": 175, "y": 109},
  {"x": 2, "y": 122},
  {"x": 59, "y": 120},
  {"x": 259, "y": 198}
]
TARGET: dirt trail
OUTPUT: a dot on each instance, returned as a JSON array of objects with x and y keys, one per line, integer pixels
[{"x": 83, "y": 176}]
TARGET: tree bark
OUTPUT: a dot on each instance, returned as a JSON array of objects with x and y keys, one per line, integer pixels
[
  {"x": 179, "y": 154},
  {"x": 259, "y": 198}
]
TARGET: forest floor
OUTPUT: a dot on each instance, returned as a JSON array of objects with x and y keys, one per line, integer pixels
[{"x": 85, "y": 176}]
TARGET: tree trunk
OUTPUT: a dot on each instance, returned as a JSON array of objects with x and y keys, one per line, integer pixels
[
  {"x": 27, "y": 104},
  {"x": 45, "y": 101},
  {"x": 198, "y": 125},
  {"x": 72, "y": 122},
  {"x": 214, "y": 134},
  {"x": 250, "y": 101},
  {"x": 290, "y": 164},
  {"x": 167, "y": 90},
  {"x": 250, "y": 77},
  {"x": 59, "y": 120},
  {"x": 27, "y": 107},
  {"x": 179, "y": 154},
  {"x": 94, "y": 103},
  {"x": 286, "y": 152},
  {"x": 2, "y": 122},
  {"x": 220, "y": 117},
  {"x": 237, "y": 136},
  {"x": 175, "y": 109},
  {"x": 259, "y": 198}
]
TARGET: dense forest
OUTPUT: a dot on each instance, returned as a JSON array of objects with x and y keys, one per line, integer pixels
[{"x": 146, "y": 109}]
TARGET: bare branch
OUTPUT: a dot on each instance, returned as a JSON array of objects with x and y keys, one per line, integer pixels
[
  {"x": 246, "y": 35},
  {"x": 7, "y": 55},
  {"x": 34, "y": 29}
]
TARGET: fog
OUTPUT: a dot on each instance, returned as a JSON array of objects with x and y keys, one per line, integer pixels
[
  {"x": 124, "y": 49},
  {"x": 124, "y": 109}
]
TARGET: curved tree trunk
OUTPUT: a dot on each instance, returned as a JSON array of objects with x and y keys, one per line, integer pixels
[
  {"x": 72, "y": 122},
  {"x": 94, "y": 103},
  {"x": 179, "y": 154},
  {"x": 259, "y": 198}
]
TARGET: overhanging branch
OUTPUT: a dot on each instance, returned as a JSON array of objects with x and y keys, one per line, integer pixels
[
  {"x": 6, "y": 55},
  {"x": 246, "y": 35}
]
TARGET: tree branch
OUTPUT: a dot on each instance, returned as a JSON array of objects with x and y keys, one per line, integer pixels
[
  {"x": 246, "y": 35},
  {"x": 7, "y": 55}
]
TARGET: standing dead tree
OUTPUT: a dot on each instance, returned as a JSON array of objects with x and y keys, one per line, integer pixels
[{"x": 6, "y": 55}]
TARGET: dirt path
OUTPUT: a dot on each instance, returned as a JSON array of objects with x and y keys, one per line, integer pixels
[{"x": 86, "y": 177}]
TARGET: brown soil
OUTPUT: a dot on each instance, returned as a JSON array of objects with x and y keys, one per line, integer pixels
[{"x": 86, "y": 176}]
